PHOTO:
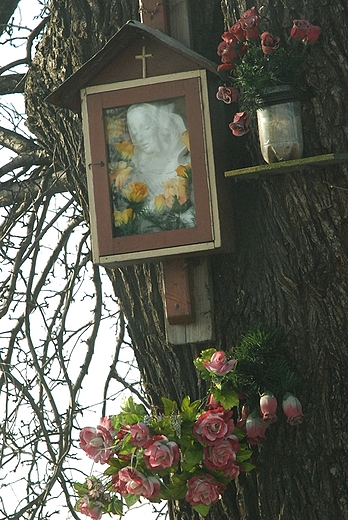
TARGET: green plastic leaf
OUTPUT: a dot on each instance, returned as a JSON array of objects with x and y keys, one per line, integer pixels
[
  {"x": 170, "y": 407},
  {"x": 202, "y": 509},
  {"x": 194, "y": 455},
  {"x": 244, "y": 455},
  {"x": 115, "y": 507},
  {"x": 189, "y": 410},
  {"x": 131, "y": 499},
  {"x": 248, "y": 466},
  {"x": 227, "y": 397},
  {"x": 81, "y": 489}
]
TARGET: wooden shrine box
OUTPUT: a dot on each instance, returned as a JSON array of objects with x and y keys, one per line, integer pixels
[{"x": 152, "y": 134}]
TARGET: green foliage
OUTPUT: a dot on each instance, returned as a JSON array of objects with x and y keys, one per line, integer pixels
[{"x": 257, "y": 72}]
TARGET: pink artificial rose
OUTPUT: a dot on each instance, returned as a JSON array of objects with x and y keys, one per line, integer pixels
[
  {"x": 139, "y": 434},
  {"x": 268, "y": 407},
  {"x": 129, "y": 481},
  {"x": 96, "y": 442},
  {"x": 85, "y": 508},
  {"x": 213, "y": 426},
  {"x": 240, "y": 124},
  {"x": 232, "y": 471},
  {"x": 293, "y": 409},
  {"x": 227, "y": 94},
  {"x": 220, "y": 456},
  {"x": 269, "y": 43},
  {"x": 204, "y": 489},
  {"x": 255, "y": 428},
  {"x": 299, "y": 29},
  {"x": 160, "y": 453},
  {"x": 219, "y": 365}
]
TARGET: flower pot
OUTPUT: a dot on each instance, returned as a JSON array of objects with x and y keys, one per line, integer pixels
[{"x": 280, "y": 126}]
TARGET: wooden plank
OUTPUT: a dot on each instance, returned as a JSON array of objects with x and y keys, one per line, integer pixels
[
  {"x": 287, "y": 166},
  {"x": 201, "y": 330},
  {"x": 177, "y": 291}
]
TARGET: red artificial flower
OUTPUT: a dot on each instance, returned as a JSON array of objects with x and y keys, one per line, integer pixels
[
  {"x": 240, "y": 124},
  {"x": 238, "y": 31},
  {"x": 250, "y": 22},
  {"x": 299, "y": 29},
  {"x": 312, "y": 34},
  {"x": 269, "y": 43},
  {"x": 227, "y": 94}
]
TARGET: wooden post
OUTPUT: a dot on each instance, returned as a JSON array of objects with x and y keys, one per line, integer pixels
[
  {"x": 177, "y": 291},
  {"x": 186, "y": 284},
  {"x": 153, "y": 13}
]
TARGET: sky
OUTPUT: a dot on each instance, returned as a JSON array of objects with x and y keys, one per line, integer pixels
[{"x": 106, "y": 340}]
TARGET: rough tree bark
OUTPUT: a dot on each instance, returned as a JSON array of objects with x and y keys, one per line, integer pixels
[{"x": 290, "y": 268}]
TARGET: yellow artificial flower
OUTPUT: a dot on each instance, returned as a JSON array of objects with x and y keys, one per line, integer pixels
[
  {"x": 160, "y": 202},
  {"x": 115, "y": 127},
  {"x": 136, "y": 191},
  {"x": 123, "y": 217},
  {"x": 182, "y": 171},
  {"x": 185, "y": 138},
  {"x": 176, "y": 188},
  {"x": 125, "y": 149},
  {"x": 120, "y": 175}
]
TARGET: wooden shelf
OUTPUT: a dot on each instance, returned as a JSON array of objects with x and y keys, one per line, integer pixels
[{"x": 287, "y": 166}]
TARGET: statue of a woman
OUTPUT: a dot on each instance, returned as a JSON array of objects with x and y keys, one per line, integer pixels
[{"x": 157, "y": 134}]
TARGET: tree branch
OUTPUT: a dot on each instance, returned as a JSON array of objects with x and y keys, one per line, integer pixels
[
  {"x": 16, "y": 142},
  {"x": 11, "y": 84}
]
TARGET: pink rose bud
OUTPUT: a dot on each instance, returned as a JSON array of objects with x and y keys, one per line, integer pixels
[
  {"x": 219, "y": 365},
  {"x": 268, "y": 407},
  {"x": 293, "y": 409},
  {"x": 255, "y": 428}
]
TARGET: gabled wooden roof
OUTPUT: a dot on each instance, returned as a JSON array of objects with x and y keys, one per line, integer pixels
[{"x": 116, "y": 62}]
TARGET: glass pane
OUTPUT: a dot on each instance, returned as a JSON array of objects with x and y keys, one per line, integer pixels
[{"x": 149, "y": 167}]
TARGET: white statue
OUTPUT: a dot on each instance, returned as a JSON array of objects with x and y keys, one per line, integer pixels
[{"x": 157, "y": 134}]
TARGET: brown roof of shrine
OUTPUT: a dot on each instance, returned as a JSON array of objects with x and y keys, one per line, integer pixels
[{"x": 115, "y": 62}]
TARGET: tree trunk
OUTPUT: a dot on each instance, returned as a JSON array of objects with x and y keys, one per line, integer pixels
[{"x": 290, "y": 268}]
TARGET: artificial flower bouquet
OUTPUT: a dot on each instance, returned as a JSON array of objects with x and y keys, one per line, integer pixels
[
  {"x": 254, "y": 62},
  {"x": 190, "y": 452}
]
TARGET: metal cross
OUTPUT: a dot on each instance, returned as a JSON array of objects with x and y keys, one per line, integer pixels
[{"x": 143, "y": 57}]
